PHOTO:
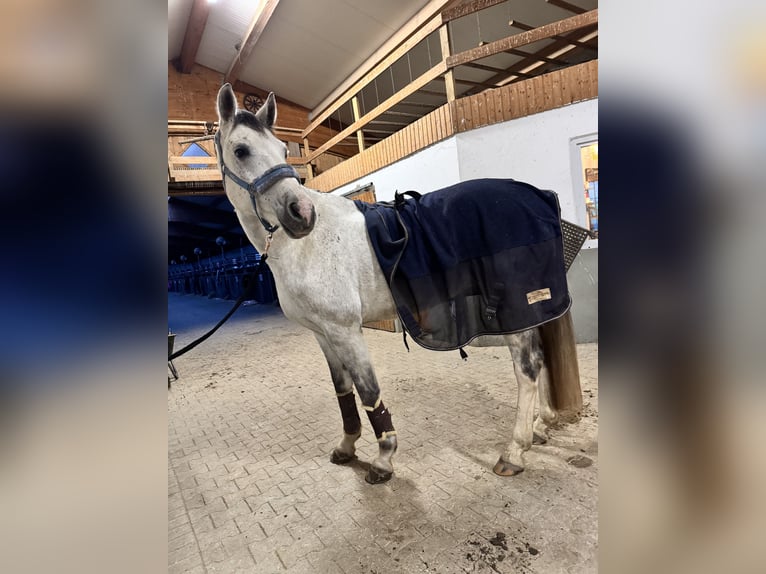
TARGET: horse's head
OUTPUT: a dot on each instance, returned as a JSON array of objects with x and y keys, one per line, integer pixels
[{"x": 248, "y": 149}]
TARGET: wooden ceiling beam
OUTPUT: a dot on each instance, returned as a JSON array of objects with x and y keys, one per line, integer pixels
[
  {"x": 540, "y": 56},
  {"x": 527, "y": 28},
  {"x": 194, "y": 29},
  {"x": 253, "y": 34},
  {"x": 567, "y": 6},
  {"x": 467, "y": 8}
]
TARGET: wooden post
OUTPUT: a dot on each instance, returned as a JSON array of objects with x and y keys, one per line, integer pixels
[
  {"x": 449, "y": 77},
  {"x": 359, "y": 133},
  {"x": 307, "y": 152}
]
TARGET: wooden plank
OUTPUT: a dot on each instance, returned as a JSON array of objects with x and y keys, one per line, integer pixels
[
  {"x": 193, "y": 160},
  {"x": 594, "y": 77},
  {"x": 449, "y": 77},
  {"x": 413, "y": 87},
  {"x": 342, "y": 93},
  {"x": 498, "y": 97},
  {"x": 194, "y": 30},
  {"x": 459, "y": 115},
  {"x": 431, "y": 129},
  {"x": 505, "y": 100},
  {"x": 521, "y": 98},
  {"x": 180, "y": 175},
  {"x": 524, "y": 38},
  {"x": 253, "y": 34},
  {"x": 359, "y": 133},
  {"x": 306, "y": 153},
  {"x": 470, "y": 119},
  {"x": 472, "y": 111},
  {"x": 527, "y": 27},
  {"x": 481, "y": 100},
  {"x": 557, "y": 100},
  {"x": 574, "y": 87},
  {"x": 467, "y": 8},
  {"x": 452, "y": 119},
  {"x": 566, "y": 97},
  {"x": 538, "y": 95},
  {"x": 489, "y": 106}
]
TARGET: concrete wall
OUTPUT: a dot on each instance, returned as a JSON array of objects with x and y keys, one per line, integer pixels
[{"x": 538, "y": 149}]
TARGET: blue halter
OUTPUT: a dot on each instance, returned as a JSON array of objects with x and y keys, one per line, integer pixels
[{"x": 260, "y": 184}]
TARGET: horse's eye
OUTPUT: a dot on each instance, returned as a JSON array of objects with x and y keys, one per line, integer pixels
[{"x": 241, "y": 152}]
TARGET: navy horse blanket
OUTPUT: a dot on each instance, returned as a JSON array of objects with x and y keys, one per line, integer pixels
[{"x": 482, "y": 257}]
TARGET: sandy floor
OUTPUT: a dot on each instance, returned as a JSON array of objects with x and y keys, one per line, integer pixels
[{"x": 252, "y": 421}]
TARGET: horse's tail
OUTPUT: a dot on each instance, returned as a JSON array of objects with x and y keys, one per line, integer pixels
[{"x": 560, "y": 353}]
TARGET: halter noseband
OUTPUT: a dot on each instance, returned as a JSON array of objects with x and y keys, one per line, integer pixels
[{"x": 259, "y": 185}]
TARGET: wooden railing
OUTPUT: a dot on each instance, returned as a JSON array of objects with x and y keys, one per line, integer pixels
[
  {"x": 538, "y": 94},
  {"x": 184, "y": 168}
]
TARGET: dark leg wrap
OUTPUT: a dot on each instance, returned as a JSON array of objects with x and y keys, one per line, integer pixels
[
  {"x": 380, "y": 419},
  {"x": 351, "y": 422}
]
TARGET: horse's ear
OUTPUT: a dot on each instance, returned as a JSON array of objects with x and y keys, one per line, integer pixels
[
  {"x": 267, "y": 115},
  {"x": 227, "y": 104}
]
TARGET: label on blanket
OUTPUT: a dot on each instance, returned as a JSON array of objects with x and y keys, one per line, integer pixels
[{"x": 539, "y": 295}]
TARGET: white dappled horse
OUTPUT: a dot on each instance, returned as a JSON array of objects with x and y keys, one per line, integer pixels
[{"x": 329, "y": 281}]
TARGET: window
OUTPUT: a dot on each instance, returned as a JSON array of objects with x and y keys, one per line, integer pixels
[
  {"x": 589, "y": 162},
  {"x": 584, "y": 165},
  {"x": 196, "y": 151}
]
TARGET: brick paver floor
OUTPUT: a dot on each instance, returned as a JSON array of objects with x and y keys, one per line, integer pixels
[{"x": 252, "y": 421}]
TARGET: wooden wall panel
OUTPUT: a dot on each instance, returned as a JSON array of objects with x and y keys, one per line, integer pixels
[{"x": 193, "y": 97}]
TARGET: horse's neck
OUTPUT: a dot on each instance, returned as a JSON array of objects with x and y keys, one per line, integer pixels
[{"x": 333, "y": 214}]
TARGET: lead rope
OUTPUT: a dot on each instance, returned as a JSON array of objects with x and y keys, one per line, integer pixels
[{"x": 242, "y": 298}]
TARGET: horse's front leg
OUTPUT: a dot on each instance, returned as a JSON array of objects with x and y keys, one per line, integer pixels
[
  {"x": 344, "y": 390},
  {"x": 528, "y": 364},
  {"x": 349, "y": 347}
]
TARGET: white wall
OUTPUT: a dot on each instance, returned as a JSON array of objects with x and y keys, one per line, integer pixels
[{"x": 534, "y": 149}]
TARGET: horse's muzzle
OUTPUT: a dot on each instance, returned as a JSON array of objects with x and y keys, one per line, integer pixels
[{"x": 299, "y": 217}]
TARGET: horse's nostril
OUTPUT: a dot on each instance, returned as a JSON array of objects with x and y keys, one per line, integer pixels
[{"x": 294, "y": 210}]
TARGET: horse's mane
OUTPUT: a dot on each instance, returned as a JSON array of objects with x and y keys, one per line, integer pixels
[{"x": 249, "y": 119}]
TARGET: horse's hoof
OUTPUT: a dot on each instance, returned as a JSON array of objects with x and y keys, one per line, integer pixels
[
  {"x": 503, "y": 468},
  {"x": 374, "y": 476},
  {"x": 539, "y": 439},
  {"x": 338, "y": 457}
]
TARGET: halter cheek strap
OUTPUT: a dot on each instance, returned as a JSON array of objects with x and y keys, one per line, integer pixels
[{"x": 259, "y": 185}]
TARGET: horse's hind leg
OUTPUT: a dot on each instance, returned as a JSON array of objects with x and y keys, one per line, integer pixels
[
  {"x": 350, "y": 348},
  {"x": 547, "y": 414},
  {"x": 344, "y": 389},
  {"x": 526, "y": 351}
]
